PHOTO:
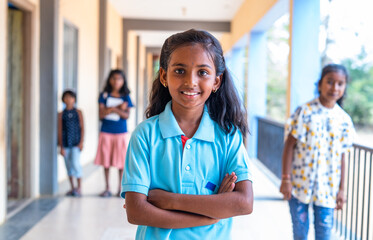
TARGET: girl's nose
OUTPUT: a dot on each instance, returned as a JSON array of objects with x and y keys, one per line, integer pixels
[
  {"x": 335, "y": 86},
  {"x": 190, "y": 80}
]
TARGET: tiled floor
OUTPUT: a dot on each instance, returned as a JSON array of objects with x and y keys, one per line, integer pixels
[{"x": 92, "y": 217}]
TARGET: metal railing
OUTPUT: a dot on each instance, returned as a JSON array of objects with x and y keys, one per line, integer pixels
[
  {"x": 355, "y": 221},
  {"x": 270, "y": 144}
]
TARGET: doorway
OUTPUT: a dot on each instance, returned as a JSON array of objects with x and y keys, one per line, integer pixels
[{"x": 17, "y": 94}]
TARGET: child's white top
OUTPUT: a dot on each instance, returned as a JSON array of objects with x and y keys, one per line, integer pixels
[{"x": 323, "y": 135}]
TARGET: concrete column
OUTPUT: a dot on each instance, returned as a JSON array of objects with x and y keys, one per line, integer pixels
[
  {"x": 102, "y": 50},
  {"x": 256, "y": 86},
  {"x": 3, "y": 57},
  {"x": 304, "y": 57},
  {"x": 48, "y": 95}
]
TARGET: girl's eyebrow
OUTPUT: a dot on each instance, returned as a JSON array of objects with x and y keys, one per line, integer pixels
[
  {"x": 184, "y": 65},
  {"x": 204, "y": 65},
  {"x": 178, "y": 65}
]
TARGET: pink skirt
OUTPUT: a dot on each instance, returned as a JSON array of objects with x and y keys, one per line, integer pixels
[{"x": 112, "y": 149}]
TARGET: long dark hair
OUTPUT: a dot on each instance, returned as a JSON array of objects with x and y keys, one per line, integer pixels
[
  {"x": 334, "y": 68},
  {"x": 123, "y": 90},
  {"x": 224, "y": 106}
]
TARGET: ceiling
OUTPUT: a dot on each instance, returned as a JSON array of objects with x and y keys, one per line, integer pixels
[
  {"x": 197, "y": 10},
  {"x": 180, "y": 10},
  {"x": 155, "y": 39}
]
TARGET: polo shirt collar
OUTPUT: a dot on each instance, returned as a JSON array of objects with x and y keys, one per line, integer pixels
[
  {"x": 170, "y": 128},
  {"x": 168, "y": 124}
]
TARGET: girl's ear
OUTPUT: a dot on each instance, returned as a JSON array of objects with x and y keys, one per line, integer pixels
[
  {"x": 217, "y": 83},
  {"x": 163, "y": 77}
]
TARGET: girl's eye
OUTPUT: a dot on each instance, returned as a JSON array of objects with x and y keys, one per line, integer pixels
[
  {"x": 179, "y": 71},
  {"x": 203, "y": 73}
]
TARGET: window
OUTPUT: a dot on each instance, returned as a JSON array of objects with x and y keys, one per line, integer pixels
[{"x": 70, "y": 57}]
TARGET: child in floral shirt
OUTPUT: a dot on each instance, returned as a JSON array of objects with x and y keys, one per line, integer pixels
[{"x": 317, "y": 136}]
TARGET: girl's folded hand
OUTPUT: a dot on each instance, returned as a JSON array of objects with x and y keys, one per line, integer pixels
[{"x": 161, "y": 199}]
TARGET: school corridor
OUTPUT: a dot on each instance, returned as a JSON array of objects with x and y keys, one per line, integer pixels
[{"x": 48, "y": 46}]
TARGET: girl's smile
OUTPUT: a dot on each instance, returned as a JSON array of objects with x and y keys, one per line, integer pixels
[{"x": 190, "y": 77}]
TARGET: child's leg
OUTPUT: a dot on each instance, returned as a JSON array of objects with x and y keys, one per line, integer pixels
[
  {"x": 71, "y": 180},
  {"x": 79, "y": 185},
  {"x": 106, "y": 172},
  {"x": 299, "y": 217},
  {"x": 323, "y": 222},
  {"x": 69, "y": 167},
  {"x": 76, "y": 166},
  {"x": 120, "y": 181},
  {"x": 107, "y": 192}
]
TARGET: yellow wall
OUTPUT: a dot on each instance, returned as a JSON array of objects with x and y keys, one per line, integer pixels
[
  {"x": 114, "y": 35},
  {"x": 87, "y": 22},
  {"x": 249, "y": 14}
]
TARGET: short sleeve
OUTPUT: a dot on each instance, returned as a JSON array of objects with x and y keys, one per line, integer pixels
[
  {"x": 296, "y": 125},
  {"x": 128, "y": 99},
  {"x": 348, "y": 135},
  {"x": 237, "y": 158},
  {"x": 102, "y": 98},
  {"x": 136, "y": 174}
]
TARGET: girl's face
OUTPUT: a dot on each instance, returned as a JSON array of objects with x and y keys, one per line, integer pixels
[
  {"x": 190, "y": 77},
  {"x": 69, "y": 101},
  {"x": 116, "y": 82},
  {"x": 332, "y": 88}
]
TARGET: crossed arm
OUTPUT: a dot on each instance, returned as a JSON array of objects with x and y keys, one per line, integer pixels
[
  {"x": 171, "y": 210},
  {"x": 122, "y": 110}
]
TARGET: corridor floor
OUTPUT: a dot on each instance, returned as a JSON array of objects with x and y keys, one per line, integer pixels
[{"x": 92, "y": 217}]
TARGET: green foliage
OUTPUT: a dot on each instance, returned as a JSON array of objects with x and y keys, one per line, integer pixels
[
  {"x": 276, "y": 93},
  {"x": 359, "y": 99},
  {"x": 277, "y": 40}
]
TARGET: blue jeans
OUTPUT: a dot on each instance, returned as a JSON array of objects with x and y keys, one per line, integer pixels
[
  {"x": 299, "y": 215},
  {"x": 72, "y": 162}
]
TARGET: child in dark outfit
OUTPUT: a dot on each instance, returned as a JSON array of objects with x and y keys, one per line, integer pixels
[{"x": 70, "y": 139}]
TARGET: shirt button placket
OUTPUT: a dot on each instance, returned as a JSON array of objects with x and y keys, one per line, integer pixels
[{"x": 188, "y": 167}]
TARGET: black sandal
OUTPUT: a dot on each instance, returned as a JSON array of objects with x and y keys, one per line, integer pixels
[
  {"x": 70, "y": 193},
  {"x": 105, "y": 194}
]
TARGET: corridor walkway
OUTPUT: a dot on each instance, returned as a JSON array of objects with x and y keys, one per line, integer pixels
[{"x": 92, "y": 217}]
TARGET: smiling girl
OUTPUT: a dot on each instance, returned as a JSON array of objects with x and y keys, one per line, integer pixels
[{"x": 187, "y": 173}]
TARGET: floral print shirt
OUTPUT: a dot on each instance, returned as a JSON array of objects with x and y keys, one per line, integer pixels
[{"x": 323, "y": 135}]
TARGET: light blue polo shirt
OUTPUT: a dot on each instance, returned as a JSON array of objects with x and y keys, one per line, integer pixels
[{"x": 156, "y": 159}]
